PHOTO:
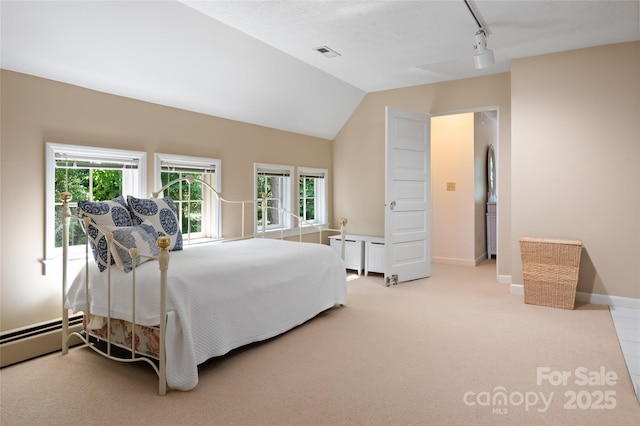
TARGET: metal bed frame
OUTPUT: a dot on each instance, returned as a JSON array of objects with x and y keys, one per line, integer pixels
[{"x": 163, "y": 243}]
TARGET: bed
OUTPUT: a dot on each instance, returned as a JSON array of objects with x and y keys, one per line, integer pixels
[{"x": 177, "y": 309}]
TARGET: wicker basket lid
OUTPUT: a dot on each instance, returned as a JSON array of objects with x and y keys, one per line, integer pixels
[{"x": 550, "y": 240}]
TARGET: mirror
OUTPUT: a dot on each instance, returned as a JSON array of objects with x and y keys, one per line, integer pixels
[{"x": 491, "y": 174}]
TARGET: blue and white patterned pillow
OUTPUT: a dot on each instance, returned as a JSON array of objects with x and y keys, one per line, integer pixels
[
  {"x": 161, "y": 214},
  {"x": 142, "y": 237},
  {"x": 103, "y": 213}
]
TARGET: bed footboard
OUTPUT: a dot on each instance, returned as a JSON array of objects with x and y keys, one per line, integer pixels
[{"x": 104, "y": 345}]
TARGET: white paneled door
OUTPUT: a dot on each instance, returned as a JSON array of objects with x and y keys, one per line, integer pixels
[{"x": 407, "y": 196}]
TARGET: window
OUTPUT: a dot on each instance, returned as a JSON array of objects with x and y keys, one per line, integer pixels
[
  {"x": 88, "y": 173},
  {"x": 275, "y": 182},
  {"x": 312, "y": 195},
  {"x": 309, "y": 195},
  {"x": 197, "y": 207}
]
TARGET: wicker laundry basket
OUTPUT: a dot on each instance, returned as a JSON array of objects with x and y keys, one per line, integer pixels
[{"x": 550, "y": 271}]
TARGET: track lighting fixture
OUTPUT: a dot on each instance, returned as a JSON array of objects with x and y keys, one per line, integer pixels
[{"x": 483, "y": 56}]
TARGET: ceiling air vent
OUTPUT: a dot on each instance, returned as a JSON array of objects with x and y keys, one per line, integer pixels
[{"x": 326, "y": 51}]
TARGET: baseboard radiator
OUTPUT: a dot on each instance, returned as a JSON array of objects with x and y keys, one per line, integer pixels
[{"x": 35, "y": 340}]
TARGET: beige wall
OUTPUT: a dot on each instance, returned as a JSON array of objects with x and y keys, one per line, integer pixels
[
  {"x": 35, "y": 111},
  {"x": 576, "y": 160},
  {"x": 359, "y": 150}
]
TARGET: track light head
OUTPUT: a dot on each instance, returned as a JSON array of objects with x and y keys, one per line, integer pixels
[{"x": 483, "y": 56}]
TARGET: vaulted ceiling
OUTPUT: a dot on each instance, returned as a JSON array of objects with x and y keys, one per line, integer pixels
[{"x": 256, "y": 61}]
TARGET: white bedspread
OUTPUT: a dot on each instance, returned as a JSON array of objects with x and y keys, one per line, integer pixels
[{"x": 222, "y": 296}]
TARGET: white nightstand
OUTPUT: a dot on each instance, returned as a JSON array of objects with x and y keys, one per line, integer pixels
[
  {"x": 353, "y": 250},
  {"x": 373, "y": 255},
  {"x": 362, "y": 252}
]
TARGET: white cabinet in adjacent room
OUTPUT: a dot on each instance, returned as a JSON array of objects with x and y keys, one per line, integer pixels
[{"x": 491, "y": 230}]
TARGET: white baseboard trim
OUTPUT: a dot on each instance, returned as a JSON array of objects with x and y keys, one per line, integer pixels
[
  {"x": 593, "y": 298},
  {"x": 453, "y": 261},
  {"x": 517, "y": 289},
  {"x": 504, "y": 279},
  {"x": 35, "y": 340}
]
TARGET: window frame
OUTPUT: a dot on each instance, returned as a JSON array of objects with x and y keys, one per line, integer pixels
[
  {"x": 211, "y": 207},
  {"x": 135, "y": 186},
  {"x": 287, "y": 201},
  {"x": 321, "y": 200}
]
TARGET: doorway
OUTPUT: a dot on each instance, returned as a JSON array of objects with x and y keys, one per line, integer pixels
[{"x": 460, "y": 142}]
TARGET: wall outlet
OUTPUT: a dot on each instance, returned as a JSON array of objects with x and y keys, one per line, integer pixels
[{"x": 451, "y": 186}]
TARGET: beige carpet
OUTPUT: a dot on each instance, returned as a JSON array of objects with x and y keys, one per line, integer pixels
[{"x": 438, "y": 351}]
